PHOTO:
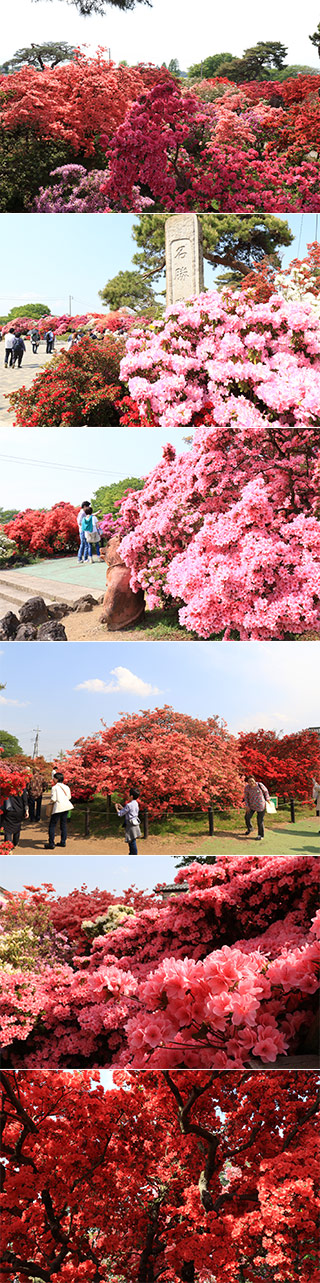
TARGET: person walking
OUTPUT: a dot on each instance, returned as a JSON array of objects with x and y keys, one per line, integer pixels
[
  {"x": 8, "y": 348},
  {"x": 60, "y": 807},
  {"x": 131, "y": 821},
  {"x": 14, "y": 811},
  {"x": 49, "y": 342},
  {"x": 255, "y": 798},
  {"x": 83, "y": 546},
  {"x": 35, "y": 791},
  {"x": 18, "y": 350},
  {"x": 35, "y": 340}
]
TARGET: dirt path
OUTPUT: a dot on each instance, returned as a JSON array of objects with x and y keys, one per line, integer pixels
[
  {"x": 301, "y": 838},
  {"x": 12, "y": 380},
  {"x": 87, "y": 627}
]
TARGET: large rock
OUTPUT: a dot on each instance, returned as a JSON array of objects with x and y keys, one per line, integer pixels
[
  {"x": 58, "y": 609},
  {"x": 26, "y": 632},
  {"x": 34, "y": 611},
  {"x": 87, "y": 602},
  {"x": 121, "y": 606},
  {"x": 52, "y": 631},
  {"x": 8, "y": 626}
]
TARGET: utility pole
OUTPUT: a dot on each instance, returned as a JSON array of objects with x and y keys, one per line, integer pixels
[
  {"x": 35, "y": 752},
  {"x": 70, "y": 302}
]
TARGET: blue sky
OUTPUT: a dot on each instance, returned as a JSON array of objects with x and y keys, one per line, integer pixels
[
  {"x": 77, "y": 254},
  {"x": 47, "y": 465},
  {"x": 166, "y": 31},
  {"x": 107, "y": 872},
  {"x": 67, "y": 689}
]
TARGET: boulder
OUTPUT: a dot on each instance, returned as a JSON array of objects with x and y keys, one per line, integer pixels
[
  {"x": 58, "y": 609},
  {"x": 34, "y": 611},
  {"x": 8, "y": 626},
  {"x": 26, "y": 632},
  {"x": 87, "y": 602},
  {"x": 121, "y": 606},
  {"x": 52, "y": 631}
]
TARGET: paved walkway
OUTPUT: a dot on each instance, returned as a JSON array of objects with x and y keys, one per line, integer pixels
[
  {"x": 11, "y": 380},
  {"x": 63, "y": 579}
]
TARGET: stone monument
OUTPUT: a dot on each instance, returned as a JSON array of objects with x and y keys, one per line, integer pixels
[
  {"x": 121, "y": 606},
  {"x": 184, "y": 257}
]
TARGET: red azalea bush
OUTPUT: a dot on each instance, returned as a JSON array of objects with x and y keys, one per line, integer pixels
[
  {"x": 225, "y": 971},
  {"x": 286, "y": 763},
  {"x": 236, "y": 152},
  {"x": 209, "y": 1176},
  {"x": 13, "y": 777},
  {"x": 80, "y": 387},
  {"x": 174, "y": 760},
  {"x": 120, "y": 320},
  {"x": 230, "y": 528},
  {"x": 46, "y": 534}
]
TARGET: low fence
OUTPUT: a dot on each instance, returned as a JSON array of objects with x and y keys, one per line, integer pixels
[{"x": 101, "y": 810}]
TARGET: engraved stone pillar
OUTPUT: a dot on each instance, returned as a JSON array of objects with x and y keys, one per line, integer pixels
[{"x": 184, "y": 257}]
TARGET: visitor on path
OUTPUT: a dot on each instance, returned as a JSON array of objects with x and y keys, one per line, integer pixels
[
  {"x": 8, "y": 348},
  {"x": 59, "y": 809},
  {"x": 83, "y": 546},
  {"x": 35, "y": 340},
  {"x": 18, "y": 350},
  {"x": 14, "y": 810},
  {"x": 90, "y": 529},
  {"x": 49, "y": 342},
  {"x": 131, "y": 821},
  {"x": 255, "y": 798},
  {"x": 35, "y": 791}
]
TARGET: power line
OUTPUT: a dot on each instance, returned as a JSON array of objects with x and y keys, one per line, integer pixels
[
  {"x": 300, "y": 234},
  {"x": 60, "y": 467}
]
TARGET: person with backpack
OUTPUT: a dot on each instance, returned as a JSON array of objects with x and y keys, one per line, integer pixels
[
  {"x": 90, "y": 529},
  {"x": 59, "y": 809},
  {"x": 14, "y": 811},
  {"x": 18, "y": 350},
  {"x": 256, "y": 797},
  {"x": 83, "y": 546},
  {"x": 35, "y": 340},
  {"x": 131, "y": 821}
]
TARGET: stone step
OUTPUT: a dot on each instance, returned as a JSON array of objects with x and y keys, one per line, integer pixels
[{"x": 15, "y": 590}]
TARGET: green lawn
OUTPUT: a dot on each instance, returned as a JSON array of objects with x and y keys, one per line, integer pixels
[{"x": 191, "y": 829}]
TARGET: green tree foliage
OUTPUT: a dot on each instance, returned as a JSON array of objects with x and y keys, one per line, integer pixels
[
  {"x": 7, "y": 514},
  {"x": 256, "y": 64},
  {"x": 129, "y": 289},
  {"x": 41, "y": 56},
  {"x": 173, "y": 66},
  {"x": 233, "y": 242},
  {"x": 9, "y": 744},
  {"x": 88, "y": 7},
  {"x": 315, "y": 39},
  {"x": 209, "y": 68},
  {"x": 29, "y": 309},
  {"x": 106, "y": 498}
]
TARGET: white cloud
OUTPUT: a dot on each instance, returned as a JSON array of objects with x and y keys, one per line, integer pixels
[
  {"x": 16, "y": 702},
  {"x": 125, "y": 680}
]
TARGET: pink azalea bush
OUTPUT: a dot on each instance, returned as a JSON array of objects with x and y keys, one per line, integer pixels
[{"x": 225, "y": 971}]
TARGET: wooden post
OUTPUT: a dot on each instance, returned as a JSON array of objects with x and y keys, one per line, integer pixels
[
  {"x": 146, "y": 822},
  {"x": 292, "y": 813},
  {"x": 87, "y": 821},
  {"x": 211, "y": 821}
]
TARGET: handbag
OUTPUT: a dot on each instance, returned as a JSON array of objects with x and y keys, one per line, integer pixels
[{"x": 270, "y": 808}]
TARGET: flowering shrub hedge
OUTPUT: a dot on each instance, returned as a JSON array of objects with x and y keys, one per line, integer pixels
[
  {"x": 45, "y": 533},
  {"x": 287, "y": 763},
  {"x": 60, "y": 325},
  {"x": 202, "y": 1172},
  {"x": 13, "y": 777},
  {"x": 80, "y": 387},
  {"x": 236, "y": 152},
  {"x": 223, "y": 972}
]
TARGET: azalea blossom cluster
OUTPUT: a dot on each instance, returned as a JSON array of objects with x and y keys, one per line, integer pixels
[
  {"x": 45, "y": 534},
  {"x": 208, "y": 1175},
  {"x": 235, "y": 149},
  {"x": 229, "y": 529},
  {"x": 13, "y": 776},
  {"x": 225, "y": 971},
  {"x": 80, "y": 386},
  {"x": 97, "y": 322}
]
